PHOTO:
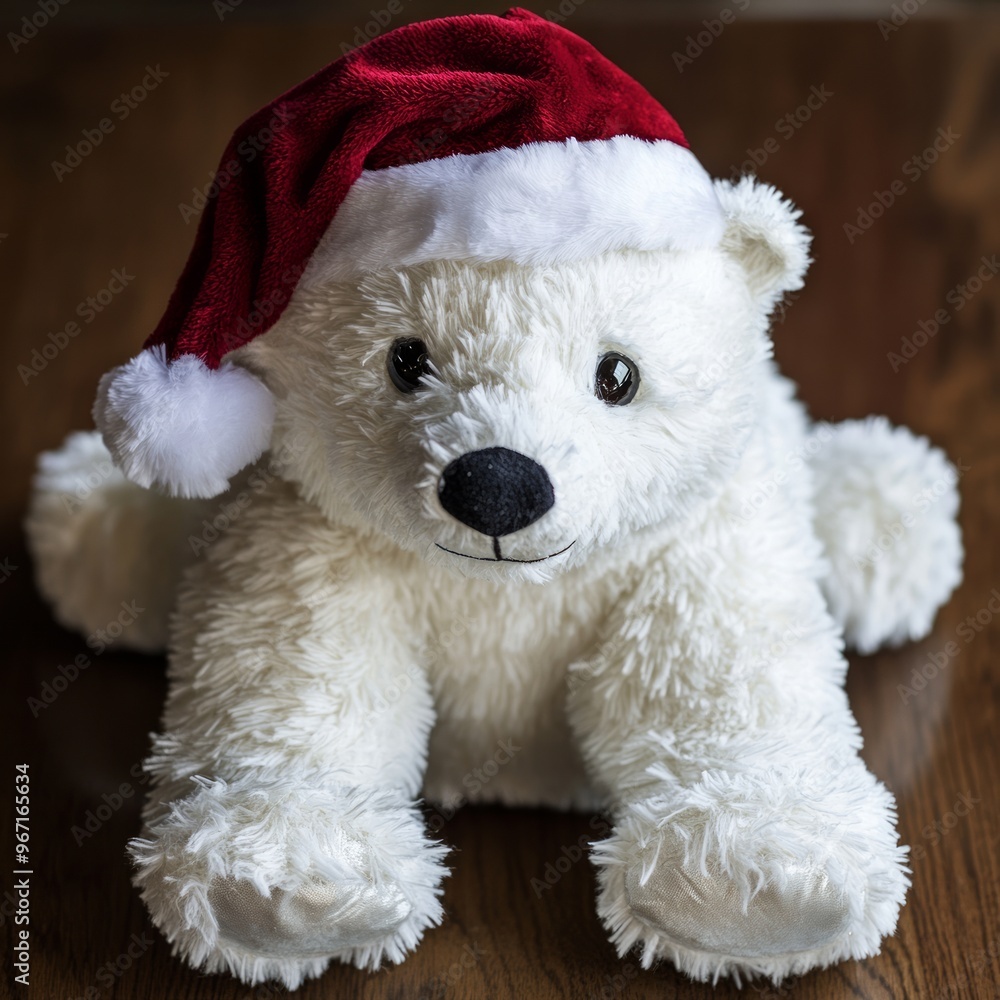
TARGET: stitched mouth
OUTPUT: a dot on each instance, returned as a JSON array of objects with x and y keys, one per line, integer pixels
[{"x": 498, "y": 556}]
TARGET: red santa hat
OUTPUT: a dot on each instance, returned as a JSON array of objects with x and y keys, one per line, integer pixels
[{"x": 472, "y": 138}]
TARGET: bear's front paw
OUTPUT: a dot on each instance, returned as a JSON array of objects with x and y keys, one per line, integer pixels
[
  {"x": 316, "y": 918},
  {"x": 274, "y": 883},
  {"x": 751, "y": 876},
  {"x": 706, "y": 909}
]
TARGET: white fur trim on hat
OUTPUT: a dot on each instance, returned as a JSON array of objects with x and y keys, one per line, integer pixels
[
  {"x": 182, "y": 426},
  {"x": 534, "y": 204}
]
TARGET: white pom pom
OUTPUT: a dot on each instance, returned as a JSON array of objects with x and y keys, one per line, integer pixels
[
  {"x": 182, "y": 426},
  {"x": 886, "y": 503}
]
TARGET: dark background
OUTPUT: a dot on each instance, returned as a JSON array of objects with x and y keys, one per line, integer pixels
[{"x": 867, "y": 293}]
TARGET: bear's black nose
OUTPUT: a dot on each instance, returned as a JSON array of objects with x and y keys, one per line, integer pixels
[{"x": 496, "y": 491}]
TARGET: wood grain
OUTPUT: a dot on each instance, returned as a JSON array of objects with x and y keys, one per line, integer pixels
[{"x": 937, "y": 749}]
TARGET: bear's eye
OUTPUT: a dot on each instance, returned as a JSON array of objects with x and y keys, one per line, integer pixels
[
  {"x": 408, "y": 363},
  {"x": 617, "y": 379}
]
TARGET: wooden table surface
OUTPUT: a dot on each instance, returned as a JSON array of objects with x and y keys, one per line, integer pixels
[{"x": 879, "y": 103}]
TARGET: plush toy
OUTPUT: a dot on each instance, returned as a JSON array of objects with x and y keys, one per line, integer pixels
[{"x": 460, "y": 450}]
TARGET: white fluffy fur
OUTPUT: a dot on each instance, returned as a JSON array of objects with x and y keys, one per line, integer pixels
[
  {"x": 678, "y": 665},
  {"x": 279, "y": 841},
  {"x": 181, "y": 426},
  {"x": 100, "y": 541},
  {"x": 764, "y": 231},
  {"x": 188, "y": 429},
  {"x": 886, "y": 504},
  {"x": 539, "y": 203}
]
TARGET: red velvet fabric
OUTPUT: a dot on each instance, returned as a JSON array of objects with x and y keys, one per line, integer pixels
[{"x": 464, "y": 84}]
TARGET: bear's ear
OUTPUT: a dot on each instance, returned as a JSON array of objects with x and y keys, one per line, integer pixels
[{"x": 764, "y": 235}]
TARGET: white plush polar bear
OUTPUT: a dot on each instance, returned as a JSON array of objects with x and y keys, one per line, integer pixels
[{"x": 557, "y": 518}]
